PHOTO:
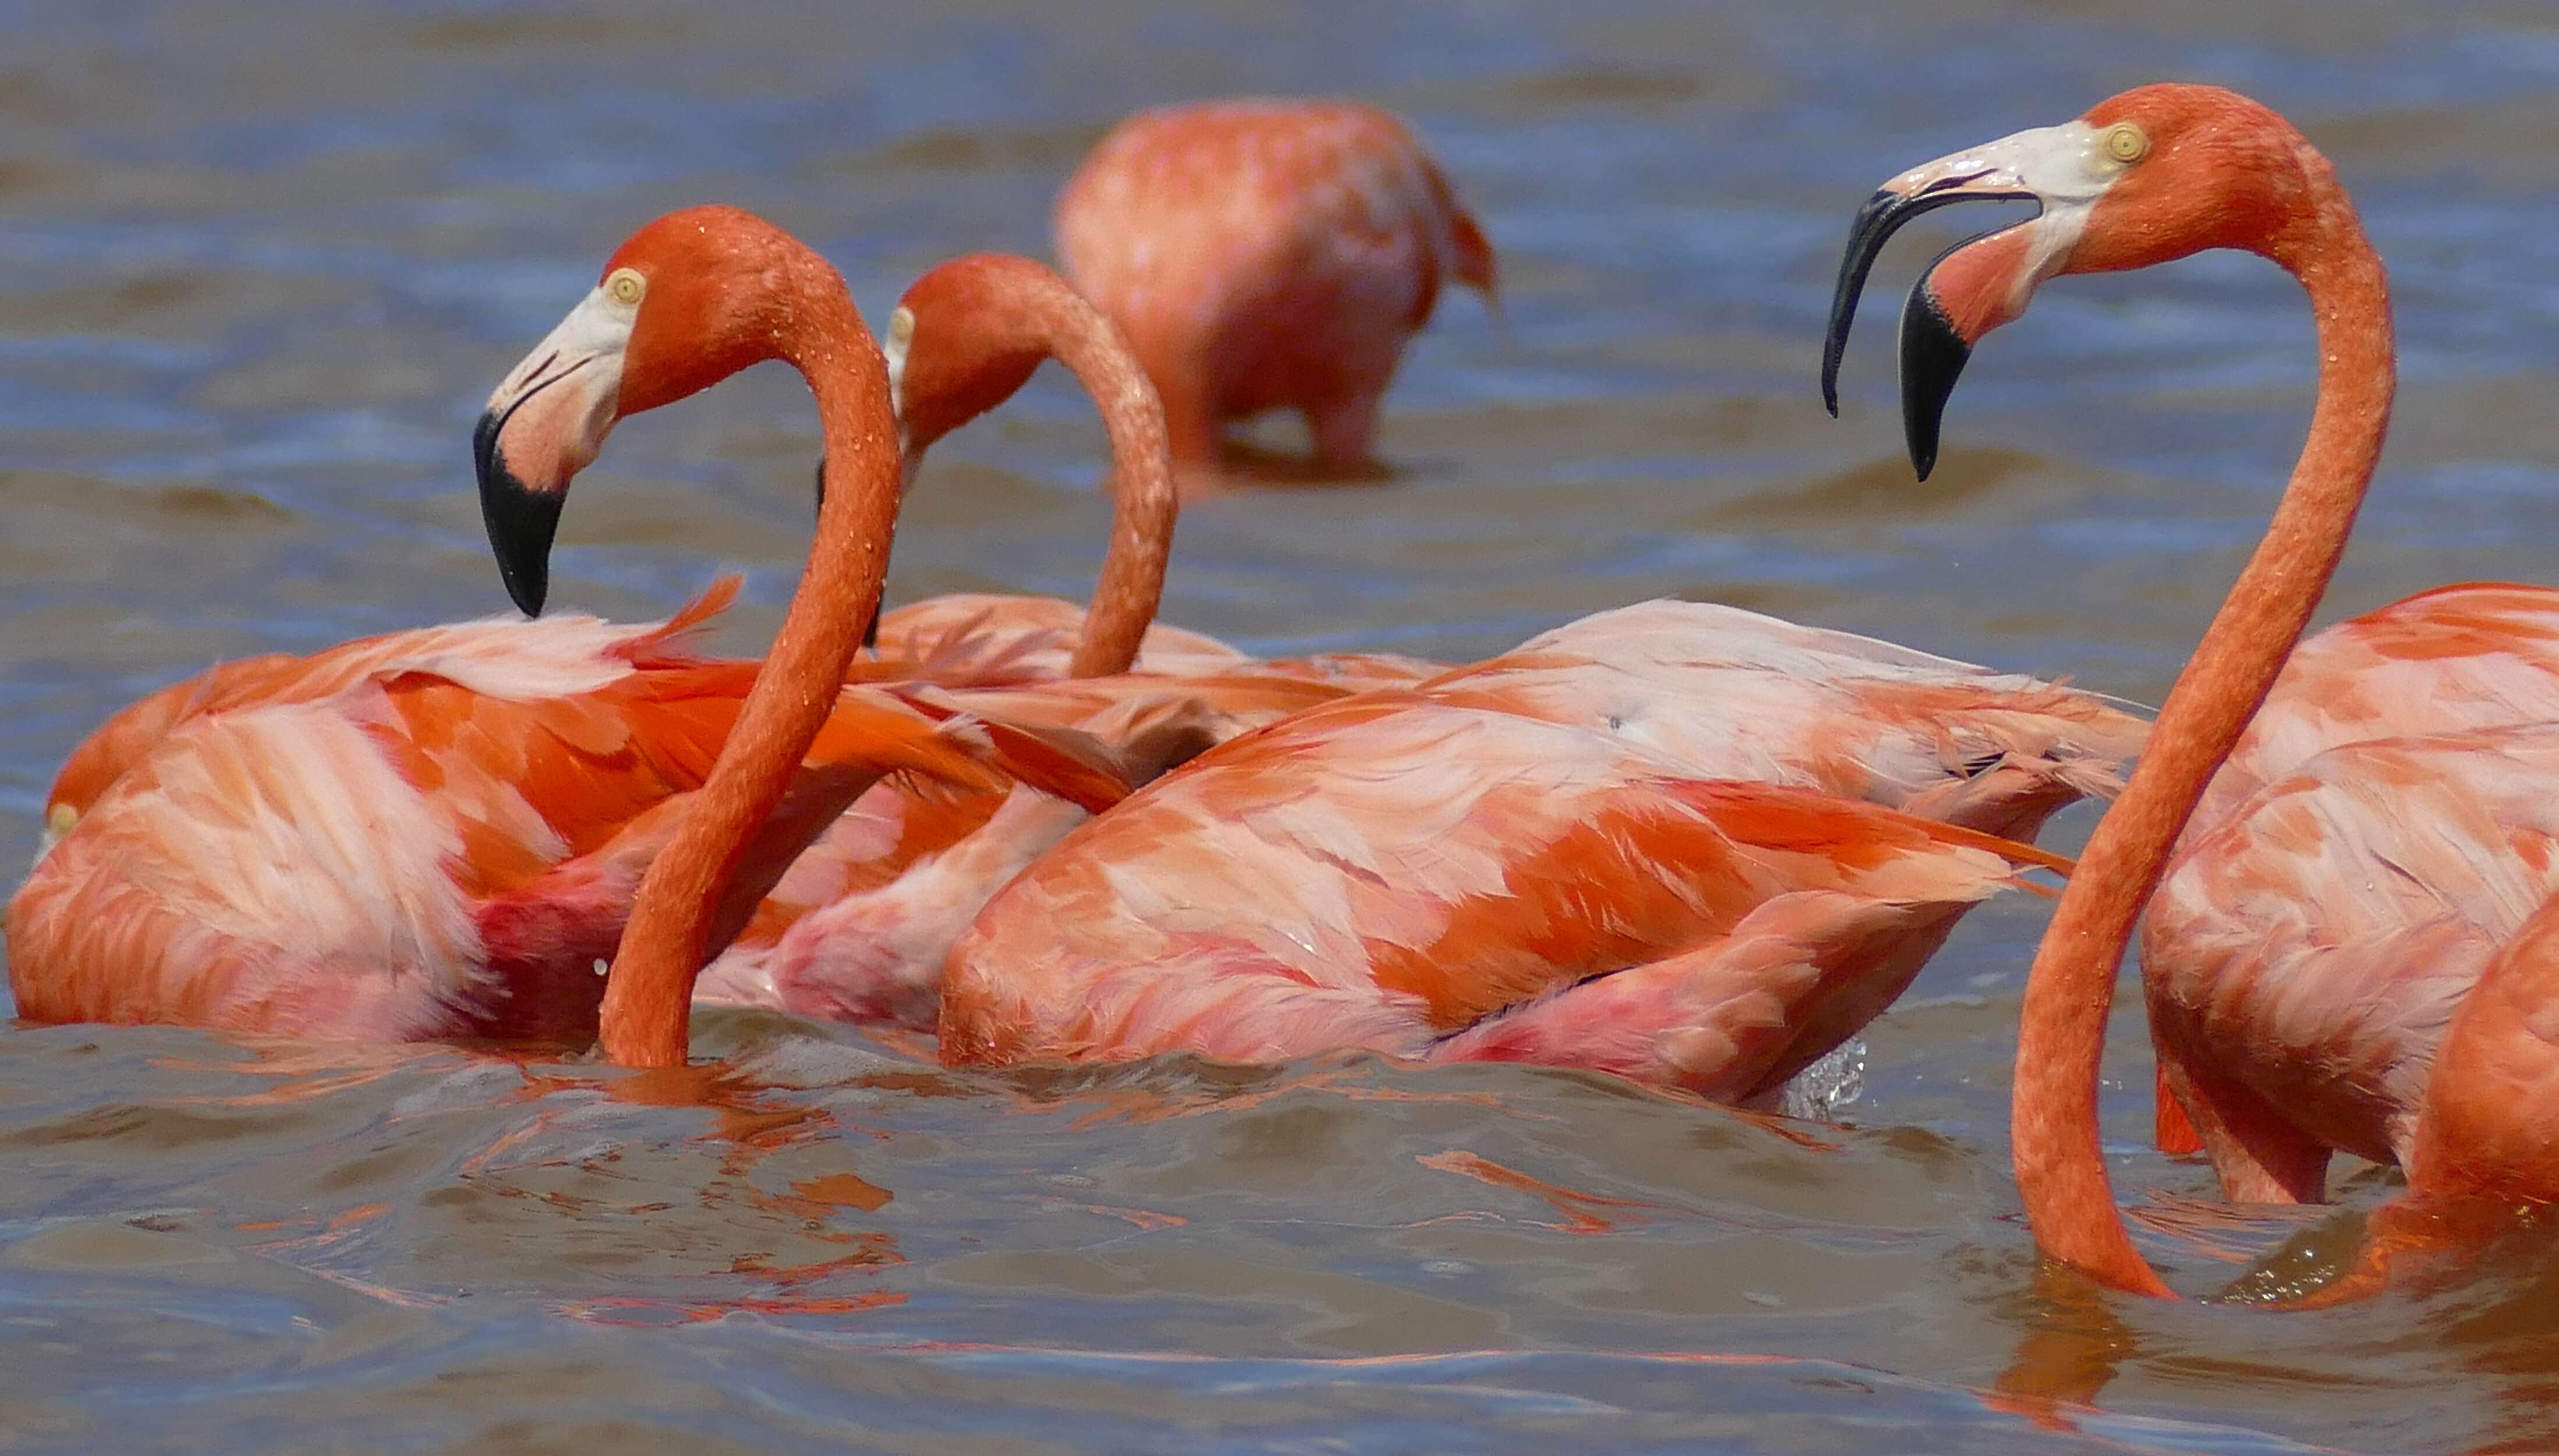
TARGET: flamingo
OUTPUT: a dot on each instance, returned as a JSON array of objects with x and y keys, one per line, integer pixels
[
  {"x": 428, "y": 833},
  {"x": 2353, "y": 940},
  {"x": 1265, "y": 254},
  {"x": 1682, "y": 843},
  {"x": 1573, "y": 801}
]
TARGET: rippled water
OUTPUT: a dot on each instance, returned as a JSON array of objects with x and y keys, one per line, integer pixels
[{"x": 259, "y": 262}]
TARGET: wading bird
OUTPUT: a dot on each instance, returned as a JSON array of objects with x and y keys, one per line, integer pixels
[
  {"x": 1264, "y": 254},
  {"x": 2356, "y": 941}
]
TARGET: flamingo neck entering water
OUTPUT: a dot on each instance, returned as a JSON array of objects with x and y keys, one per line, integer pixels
[
  {"x": 2147, "y": 177},
  {"x": 966, "y": 336},
  {"x": 2060, "y": 1168},
  {"x": 648, "y": 998},
  {"x": 724, "y": 290}
]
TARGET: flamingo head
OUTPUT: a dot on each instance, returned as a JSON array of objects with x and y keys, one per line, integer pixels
[
  {"x": 2148, "y": 175},
  {"x": 963, "y": 340},
  {"x": 687, "y": 301}
]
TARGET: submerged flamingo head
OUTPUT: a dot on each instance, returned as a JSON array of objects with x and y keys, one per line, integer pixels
[
  {"x": 127, "y": 739},
  {"x": 102, "y": 758},
  {"x": 687, "y": 301},
  {"x": 2150, "y": 176},
  {"x": 963, "y": 340}
]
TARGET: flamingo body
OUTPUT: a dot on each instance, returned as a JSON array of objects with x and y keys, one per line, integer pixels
[
  {"x": 976, "y": 636},
  {"x": 1686, "y": 871},
  {"x": 422, "y": 835},
  {"x": 1267, "y": 255},
  {"x": 2380, "y": 836}
]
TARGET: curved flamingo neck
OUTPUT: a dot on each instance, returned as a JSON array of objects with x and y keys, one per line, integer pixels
[
  {"x": 648, "y": 999},
  {"x": 1017, "y": 307},
  {"x": 2060, "y": 1167},
  {"x": 1144, "y": 499}
]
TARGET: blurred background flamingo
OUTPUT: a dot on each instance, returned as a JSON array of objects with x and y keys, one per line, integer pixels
[{"x": 1266, "y": 254}]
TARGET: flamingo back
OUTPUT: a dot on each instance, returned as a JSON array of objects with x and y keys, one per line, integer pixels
[
  {"x": 1264, "y": 254},
  {"x": 1730, "y": 693},
  {"x": 2314, "y": 944},
  {"x": 1389, "y": 871},
  {"x": 2478, "y": 655}
]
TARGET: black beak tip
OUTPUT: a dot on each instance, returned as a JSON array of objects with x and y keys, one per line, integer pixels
[
  {"x": 1876, "y": 222},
  {"x": 1933, "y": 355},
  {"x": 520, "y": 520}
]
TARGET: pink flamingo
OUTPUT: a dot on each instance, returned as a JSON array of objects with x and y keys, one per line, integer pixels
[
  {"x": 2354, "y": 939},
  {"x": 1655, "y": 843},
  {"x": 430, "y": 833},
  {"x": 1267, "y": 255},
  {"x": 1570, "y": 802}
]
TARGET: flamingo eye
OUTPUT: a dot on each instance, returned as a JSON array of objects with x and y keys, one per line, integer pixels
[
  {"x": 2127, "y": 143},
  {"x": 626, "y": 285}
]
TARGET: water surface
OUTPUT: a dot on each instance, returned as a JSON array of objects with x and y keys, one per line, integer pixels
[{"x": 260, "y": 262}]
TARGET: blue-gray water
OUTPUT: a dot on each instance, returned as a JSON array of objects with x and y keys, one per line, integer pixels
[{"x": 260, "y": 262}]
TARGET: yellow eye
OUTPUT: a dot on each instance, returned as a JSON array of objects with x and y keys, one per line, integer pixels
[
  {"x": 626, "y": 285},
  {"x": 2126, "y": 142}
]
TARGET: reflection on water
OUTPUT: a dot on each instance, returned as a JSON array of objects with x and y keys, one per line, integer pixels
[{"x": 252, "y": 293}]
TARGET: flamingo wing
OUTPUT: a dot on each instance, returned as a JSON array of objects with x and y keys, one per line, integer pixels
[
  {"x": 1733, "y": 694},
  {"x": 1391, "y": 871},
  {"x": 993, "y": 636}
]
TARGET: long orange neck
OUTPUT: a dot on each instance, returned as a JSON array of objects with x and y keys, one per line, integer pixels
[
  {"x": 648, "y": 998},
  {"x": 2060, "y": 1168},
  {"x": 1016, "y": 312},
  {"x": 1144, "y": 500}
]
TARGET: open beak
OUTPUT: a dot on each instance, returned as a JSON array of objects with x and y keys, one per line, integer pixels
[
  {"x": 1979, "y": 284},
  {"x": 542, "y": 427}
]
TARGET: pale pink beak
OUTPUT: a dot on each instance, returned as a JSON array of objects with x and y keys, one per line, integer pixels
[{"x": 542, "y": 427}]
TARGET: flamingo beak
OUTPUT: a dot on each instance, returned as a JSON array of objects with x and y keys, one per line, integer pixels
[
  {"x": 2063, "y": 169},
  {"x": 901, "y": 337},
  {"x": 910, "y": 454},
  {"x": 542, "y": 427}
]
